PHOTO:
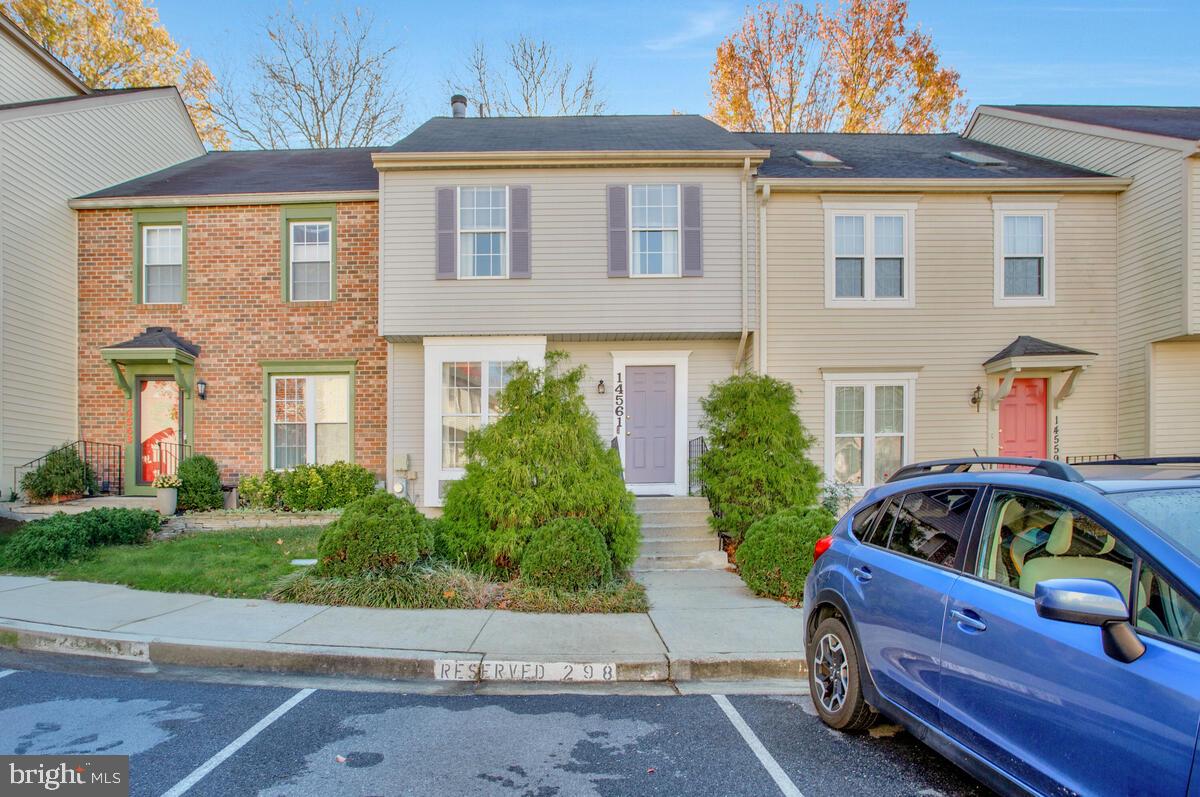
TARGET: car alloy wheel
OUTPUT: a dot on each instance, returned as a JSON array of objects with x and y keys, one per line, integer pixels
[{"x": 832, "y": 673}]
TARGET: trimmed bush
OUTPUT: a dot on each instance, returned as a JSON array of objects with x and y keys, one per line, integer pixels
[
  {"x": 307, "y": 487},
  {"x": 346, "y": 483},
  {"x": 777, "y": 553},
  {"x": 62, "y": 473},
  {"x": 51, "y": 541},
  {"x": 201, "y": 488},
  {"x": 304, "y": 489},
  {"x": 541, "y": 460},
  {"x": 757, "y": 462},
  {"x": 566, "y": 554},
  {"x": 377, "y": 533}
]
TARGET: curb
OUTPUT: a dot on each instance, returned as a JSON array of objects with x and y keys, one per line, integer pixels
[{"x": 414, "y": 665}]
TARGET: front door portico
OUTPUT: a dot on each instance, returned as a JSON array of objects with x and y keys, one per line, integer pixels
[{"x": 650, "y": 424}]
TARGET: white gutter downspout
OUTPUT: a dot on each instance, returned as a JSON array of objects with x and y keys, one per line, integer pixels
[
  {"x": 762, "y": 280},
  {"x": 741, "y": 349}
]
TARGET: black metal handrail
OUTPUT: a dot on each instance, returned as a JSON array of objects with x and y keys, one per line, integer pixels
[
  {"x": 1083, "y": 459},
  {"x": 170, "y": 455},
  {"x": 697, "y": 447},
  {"x": 106, "y": 460}
]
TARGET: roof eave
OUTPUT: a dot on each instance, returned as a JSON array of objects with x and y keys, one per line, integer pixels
[
  {"x": 475, "y": 159},
  {"x": 1030, "y": 362},
  {"x": 25, "y": 41},
  {"x": 210, "y": 200},
  {"x": 1186, "y": 145},
  {"x": 948, "y": 184}
]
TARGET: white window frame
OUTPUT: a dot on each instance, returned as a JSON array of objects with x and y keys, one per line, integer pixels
[
  {"x": 292, "y": 260},
  {"x": 869, "y": 210},
  {"x": 182, "y": 256},
  {"x": 506, "y": 231},
  {"x": 1002, "y": 210},
  {"x": 310, "y": 416},
  {"x": 531, "y": 349},
  {"x": 868, "y": 381},
  {"x": 678, "y": 230}
]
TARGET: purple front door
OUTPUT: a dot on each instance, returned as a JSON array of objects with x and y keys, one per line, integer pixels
[{"x": 650, "y": 424}]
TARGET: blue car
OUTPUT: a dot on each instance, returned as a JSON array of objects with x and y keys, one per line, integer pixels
[{"x": 1035, "y": 622}]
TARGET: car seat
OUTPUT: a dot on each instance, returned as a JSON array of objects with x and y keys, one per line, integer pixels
[{"x": 1057, "y": 564}]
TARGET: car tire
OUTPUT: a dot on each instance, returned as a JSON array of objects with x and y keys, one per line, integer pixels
[{"x": 834, "y": 679}]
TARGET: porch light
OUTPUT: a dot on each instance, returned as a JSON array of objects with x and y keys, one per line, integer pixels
[
  {"x": 600, "y": 387},
  {"x": 202, "y": 389},
  {"x": 977, "y": 397}
]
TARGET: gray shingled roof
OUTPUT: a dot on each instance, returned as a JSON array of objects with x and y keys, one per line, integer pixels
[
  {"x": 1028, "y": 346},
  {"x": 158, "y": 338},
  {"x": 569, "y": 134},
  {"x": 898, "y": 156},
  {"x": 1174, "y": 121},
  {"x": 256, "y": 172}
]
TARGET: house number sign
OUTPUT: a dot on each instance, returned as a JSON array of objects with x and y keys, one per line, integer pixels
[
  {"x": 619, "y": 404},
  {"x": 1056, "y": 438}
]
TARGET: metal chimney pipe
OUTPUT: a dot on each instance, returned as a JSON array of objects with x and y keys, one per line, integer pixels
[{"x": 458, "y": 106}]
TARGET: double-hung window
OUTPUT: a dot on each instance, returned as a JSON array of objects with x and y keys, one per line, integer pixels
[
  {"x": 470, "y": 400},
  {"x": 869, "y": 255},
  {"x": 868, "y": 426},
  {"x": 1024, "y": 254},
  {"x": 311, "y": 265},
  {"x": 483, "y": 232},
  {"x": 310, "y": 419},
  {"x": 654, "y": 227},
  {"x": 162, "y": 263}
]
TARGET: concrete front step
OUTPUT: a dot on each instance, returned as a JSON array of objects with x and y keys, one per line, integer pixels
[
  {"x": 709, "y": 560},
  {"x": 681, "y": 546},
  {"x": 687, "y": 517},
  {"x": 680, "y": 503}
]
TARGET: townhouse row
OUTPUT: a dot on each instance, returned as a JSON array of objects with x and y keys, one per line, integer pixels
[{"x": 1027, "y": 289}]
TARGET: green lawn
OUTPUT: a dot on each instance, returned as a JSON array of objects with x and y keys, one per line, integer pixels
[{"x": 229, "y": 564}]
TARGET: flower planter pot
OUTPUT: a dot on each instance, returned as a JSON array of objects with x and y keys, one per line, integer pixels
[
  {"x": 165, "y": 500},
  {"x": 62, "y": 499}
]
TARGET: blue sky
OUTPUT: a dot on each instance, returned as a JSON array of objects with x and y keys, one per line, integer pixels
[{"x": 655, "y": 57}]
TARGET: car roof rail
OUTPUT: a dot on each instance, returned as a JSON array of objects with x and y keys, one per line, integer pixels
[
  {"x": 1192, "y": 460},
  {"x": 1038, "y": 467}
]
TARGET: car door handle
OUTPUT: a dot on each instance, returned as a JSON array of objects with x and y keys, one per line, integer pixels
[
  {"x": 968, "y": 620},
  {"x": 863, "y": 574}
]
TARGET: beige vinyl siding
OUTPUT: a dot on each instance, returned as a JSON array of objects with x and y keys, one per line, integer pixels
[
  {"x": 710, "y": 361},
  {"x": 1175, "y": 398},
  {"x": 1149, "y": 238},
  {"x": 48, "y": 157},
  {"x": 954, "y": 326},
  {"x": 1194, "y": 247},
  {"x": 24, "y": 77},
  {"x": 570, "y": 293}
]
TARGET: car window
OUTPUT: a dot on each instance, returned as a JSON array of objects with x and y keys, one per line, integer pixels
[
  {"x": 929, "y": 524},
  {"x": 1162, "y": 610},
  {"x": 1028, "y": 539},
  {"x": 863, "y": 520},
  {"x": 1175, "y": 513}
]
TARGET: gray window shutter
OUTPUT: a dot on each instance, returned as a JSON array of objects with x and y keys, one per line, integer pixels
[
  {"x": 693, "y": 231},
  {"x": 447, "y": 255},
  {"x": 519, "y": 266},
  {"x": 618, "y": 231}
]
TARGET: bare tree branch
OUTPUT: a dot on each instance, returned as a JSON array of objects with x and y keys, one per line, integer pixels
[
  {"x": 532, "y": 81},
  {"x": 314, "y": 87}
]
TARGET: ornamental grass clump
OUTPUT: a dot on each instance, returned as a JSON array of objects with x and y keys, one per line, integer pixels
[
  {"x": 757, "y": 460},
  {"x": 541, "y": 460},
  {"x": 777, "y": 553}
]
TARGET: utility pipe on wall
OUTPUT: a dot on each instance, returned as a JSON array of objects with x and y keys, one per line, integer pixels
[
  {"x": 739, "y": 358},
  {"x": 761, "y": 337}
]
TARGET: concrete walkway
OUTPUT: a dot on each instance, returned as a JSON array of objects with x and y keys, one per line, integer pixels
[{"x": 702, "y": 624}]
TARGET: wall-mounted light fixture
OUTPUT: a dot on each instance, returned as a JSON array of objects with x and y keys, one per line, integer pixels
[
  {"x": 977, "y": 397},
  {"x": 600, "y": 387},
  {"x": 202, "y": 389}
]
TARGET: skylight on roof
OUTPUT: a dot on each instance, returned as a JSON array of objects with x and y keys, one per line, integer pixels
[
  {"x": 978, "y": 159},
  {"x": 815, "y": 157}
]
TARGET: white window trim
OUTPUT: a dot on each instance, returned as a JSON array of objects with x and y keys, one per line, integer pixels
[
  {"x": 292, "y": 260},
  {"x": 458, "y": 233},
  {"x": 678, "y": 359},
  {"x": 869, "y": 210},
  {"x": 868, "y": 381},
  {"x": 531, "y": 349},
  {"x": 310, "y": 417},
  {"x": 1046, "y": 211},
  {"x": 145, "y": 282},
  {"x": 678, "y": 229}
]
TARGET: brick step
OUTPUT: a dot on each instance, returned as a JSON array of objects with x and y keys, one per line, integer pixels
[
  {"x": 683, "y": 546},
  {"x": 672, "y": 503}
]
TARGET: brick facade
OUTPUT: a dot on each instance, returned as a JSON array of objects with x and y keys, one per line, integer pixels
[{"x": 236, "y": 314}]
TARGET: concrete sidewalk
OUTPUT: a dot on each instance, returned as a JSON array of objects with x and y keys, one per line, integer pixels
[{"x": 702, "y": 624}]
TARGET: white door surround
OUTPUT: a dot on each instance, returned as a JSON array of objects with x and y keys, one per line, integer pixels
[{"x": 678, "y": 359}]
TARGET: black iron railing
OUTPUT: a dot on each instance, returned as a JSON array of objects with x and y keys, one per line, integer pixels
[
  {"x": 697, "y": 447},
  {"x": 1083, "y": 459},
  {"x": 170, "y": 455},
  {"x": 106, "y": 460}
]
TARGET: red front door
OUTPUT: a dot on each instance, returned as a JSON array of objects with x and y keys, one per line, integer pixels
[{"x": 1023, "y": 420}]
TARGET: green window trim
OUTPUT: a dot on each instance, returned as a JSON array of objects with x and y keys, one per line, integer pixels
[
  {"x": 291, "y": 213},
  {"x": 273, "y": 368},
  {"x": 150, "y": 217}
]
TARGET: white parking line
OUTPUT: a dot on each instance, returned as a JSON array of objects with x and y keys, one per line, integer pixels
[
  {"x": 6, "y": 673},
  {"x": 764, "y": 756},
  {"x": 237, "y": 744}
]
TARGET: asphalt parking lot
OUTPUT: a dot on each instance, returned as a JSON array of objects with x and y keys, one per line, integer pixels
[{"x": 202, "y": 738}]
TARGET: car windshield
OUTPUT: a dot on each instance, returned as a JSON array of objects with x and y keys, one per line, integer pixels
[{"x": 1174, "y": 513}]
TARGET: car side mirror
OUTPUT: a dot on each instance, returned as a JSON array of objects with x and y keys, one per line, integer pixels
[{"x": 1091, "y": 601}]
